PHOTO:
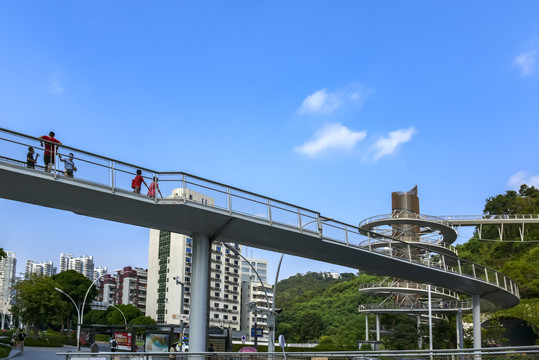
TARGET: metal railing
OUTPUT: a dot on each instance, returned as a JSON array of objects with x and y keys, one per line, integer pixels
[
  {"x": 107, "y": 174},
  {"x": 494, "y": 353},
  {"x": 445, "y": 305},
  {"x": 406, "y": 214},
  {"x": 405, "y": 285}
]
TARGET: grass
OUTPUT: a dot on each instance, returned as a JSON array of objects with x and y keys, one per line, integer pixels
[{"x": 4, "y": 351}]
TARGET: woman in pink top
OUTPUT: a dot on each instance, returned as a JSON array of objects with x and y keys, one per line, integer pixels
[{"x": 154, "y": 186}]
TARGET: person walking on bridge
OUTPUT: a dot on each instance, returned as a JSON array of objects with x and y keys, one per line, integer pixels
[{"x": 50, "y": 150}]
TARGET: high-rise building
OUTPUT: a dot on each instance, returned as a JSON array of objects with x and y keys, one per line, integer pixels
[
  {"x": 247, "y": 272},
  {"x": 257, "y": 300},
  {"x": 170, "y": 257},
  {"x": 64, "y": 261},
  {"x": 99, "y": 271},
  {"x": 8, "y": 267},
  {"x": 83, "y": 264},
  {"x": 128, "y": 286},
  {"x": 45, "y": 268}
]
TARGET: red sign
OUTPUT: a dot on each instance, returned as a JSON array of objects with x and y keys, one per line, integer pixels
[{"x": 124, "y": 340}]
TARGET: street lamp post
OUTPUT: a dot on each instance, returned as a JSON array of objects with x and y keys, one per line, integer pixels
[
  {"x": 178, "y": 282},
  {"x": 121, "y": 312},
  {"x": 78, "y": 316},
  {"x": 254, "y": 309}
]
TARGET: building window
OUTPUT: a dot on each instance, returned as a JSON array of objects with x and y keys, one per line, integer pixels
[
  {"x": 187, "y": 279},
  {"x": 217, "y": 294},
  {"x": 227, "y": 268},
  {"x": 226, "y": 296},
  {"x": 234, "y": 318},
  {"x": 235, "y": 288},
  {"x": 218, "y": 257},
  {"x": 225, "y": 317},
  {"x": 225, "y": 306},
  {"x": 189, "y": 241},
  {"x": 226, "y": 287},
  {"x": 234, "y": 307},
  {"x": 219, "y": 248},
  {"x": 216, "y": 305},
  {"x": 216, "y": 316},
  {"x": 235, "y": 297}
]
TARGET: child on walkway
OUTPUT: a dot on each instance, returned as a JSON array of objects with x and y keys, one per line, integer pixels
[
  {"x": 154, "y": 186},
  {"x": 69, "y": 165},
  {"x": 136, "y": 184},
  {"x": 30, "y": 160}
]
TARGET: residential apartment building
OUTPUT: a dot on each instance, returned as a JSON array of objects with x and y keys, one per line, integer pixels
[
  {"x": 83, "y": 264},
  {"x": 45, "y": 268},
  {"x": 8, "y": 267},
  {"x": 127, "y": 287},
  {"x": 248, "y": 274},
  {"x": 170, "y": 256},
  {"x": 256, "y": 300}
]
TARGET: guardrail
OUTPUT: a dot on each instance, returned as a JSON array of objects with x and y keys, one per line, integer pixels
[
  {"x": 115, "y": 176},
  {"x": 406, "y": 214},
  {"x": 409, "y": 286},
  {"x": 495, "y": 353},
  {"x": 436, "y": 305},
  {"x": 490, "y": 217}
]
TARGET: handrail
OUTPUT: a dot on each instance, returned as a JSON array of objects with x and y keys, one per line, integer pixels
[
  {"x": 436, "y": 305},
  {"x": 407, "y": 285},
  {"x": 279, "y": 213},
  {"x": 409, "y": 215}
]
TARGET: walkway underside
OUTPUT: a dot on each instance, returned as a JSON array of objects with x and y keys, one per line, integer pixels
[{"x": 85, "y": 198}]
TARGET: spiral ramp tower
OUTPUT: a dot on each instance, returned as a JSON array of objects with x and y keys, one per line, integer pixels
[{"x": 434, "y": 237}]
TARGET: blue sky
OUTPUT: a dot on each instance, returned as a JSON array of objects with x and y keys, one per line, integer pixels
[{"x": 327, "y": 105}]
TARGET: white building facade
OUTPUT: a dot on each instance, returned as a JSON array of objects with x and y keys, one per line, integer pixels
[
  {"x": 45, "y": 268},
  {"x": 8, "y": 267},
  {"x": 170, "y": 257}
]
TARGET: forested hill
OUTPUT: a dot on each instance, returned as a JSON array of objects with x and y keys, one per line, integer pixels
[{"x": 518, "y": 260}]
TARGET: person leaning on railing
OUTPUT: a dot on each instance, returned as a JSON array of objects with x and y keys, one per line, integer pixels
[{"x": 50, "y": 150}]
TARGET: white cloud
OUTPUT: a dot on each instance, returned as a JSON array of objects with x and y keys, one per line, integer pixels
[
  {"x": 388, "y": 145},
  {"x": 324, "y": 101},
  {"x": 526, "y": 62},
  {"x": 331, "y": 137},
  {"x": 54, "y": 84},
  {"x": 522, "y": 177}
]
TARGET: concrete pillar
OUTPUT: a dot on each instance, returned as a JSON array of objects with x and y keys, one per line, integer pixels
[
  {"x": 377, "y": 327},
  {"x": 199, "y": 304},
  {"x": 460, "y": 330},
  {"x": 366, "y": 327},
  {"x": 476, "y": 316},
  {"x": 419, "y": 338}
]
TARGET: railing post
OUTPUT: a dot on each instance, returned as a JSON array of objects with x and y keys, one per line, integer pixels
[
  {"x": 505, "y": 283},
  {"x": 473, "y": 270},
  {"x": 112, "y": 180},
  {"x": 269, "y": 211},
  {"x": 299, "y": 220},
  {"x": 184, "y": 187},
  {"x": 229, "y": 196},
  {"x": 346, "y": 234},
  {"x": 497, "y": 281},
  {"x": 460, "y": 269},
  {"x": 486, "y": 274},
  {"x": 369, "y": 238},
  {"x": 409, "y": 253}
]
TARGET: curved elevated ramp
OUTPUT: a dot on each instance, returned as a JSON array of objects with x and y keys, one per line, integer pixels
[{"x": 226, "y": 224}]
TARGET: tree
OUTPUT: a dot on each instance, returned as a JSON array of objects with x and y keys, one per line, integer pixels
[
  {"x": 37, "y": 301},
  {"x": 403, "y": 335},
  {"x": 309, "y": 326},
  {"x": 492, "y": 333},
  {"x": 114, "y": 317},
  {"x": 75, "y": 285},
  {"x": 2, "y": 254}
]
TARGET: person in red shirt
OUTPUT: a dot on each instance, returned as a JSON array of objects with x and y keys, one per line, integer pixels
[
  {"x": 50, "y": 150},
  {"x": 136, "y": 183}
]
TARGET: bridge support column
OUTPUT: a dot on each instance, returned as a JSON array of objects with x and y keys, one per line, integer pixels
[
  {"x": 366, "y": 327},
  {"x": 460, "y": 332},
  {"x": 377, "y": 327},
  {"x": 199, "y": 304},
  {"x": 419, "y": 337},
  {"x": 476, "y": 316}
]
